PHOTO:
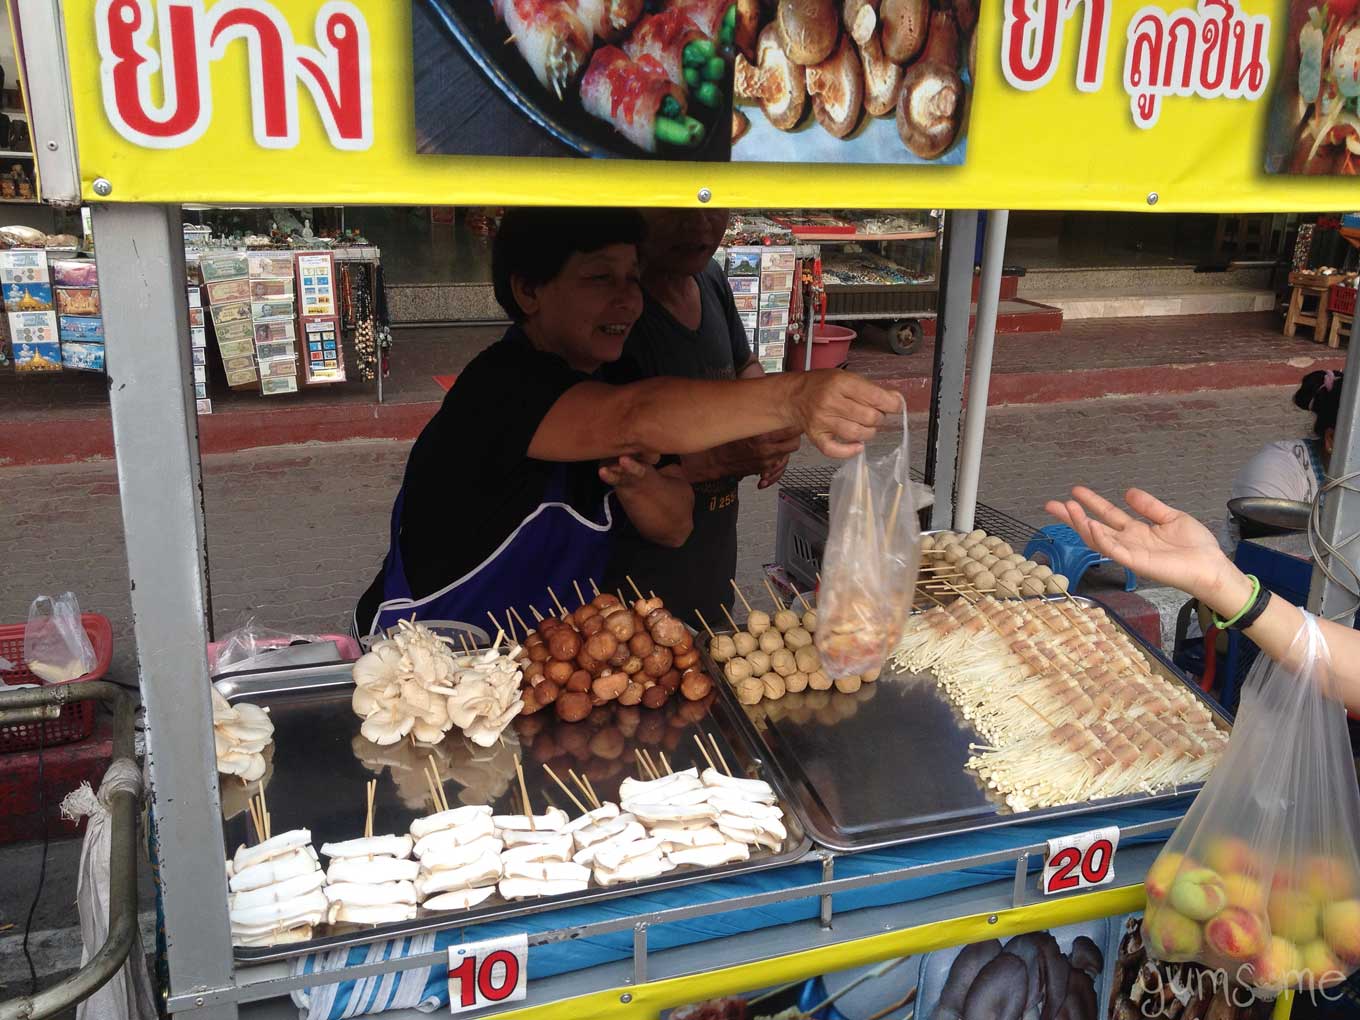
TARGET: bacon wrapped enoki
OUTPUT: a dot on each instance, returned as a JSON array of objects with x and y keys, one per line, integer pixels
[
  {"x": 608, "y": 19},
  {"x": 637, "y": 97},
  {"x": 550, "y": 36},
  {"x": 686, "y": 53}
]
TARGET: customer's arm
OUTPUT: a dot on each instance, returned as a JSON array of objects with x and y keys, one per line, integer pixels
[
  {"x": 659, "y": 502},
  {"x": 1172, "y": 547}
]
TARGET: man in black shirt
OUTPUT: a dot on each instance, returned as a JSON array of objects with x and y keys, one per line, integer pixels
[{"x": 690, "y": 328}]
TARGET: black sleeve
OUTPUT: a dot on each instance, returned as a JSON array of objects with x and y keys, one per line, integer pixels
[
  {"x": 505, "y": 397},
  {"x": 741, "y": 344}
]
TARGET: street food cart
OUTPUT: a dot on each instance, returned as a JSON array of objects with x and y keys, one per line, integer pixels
[{"x": 139, "y": 108}]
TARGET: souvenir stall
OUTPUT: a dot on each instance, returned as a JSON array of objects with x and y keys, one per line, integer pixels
[{"x": 539, "y": 837}]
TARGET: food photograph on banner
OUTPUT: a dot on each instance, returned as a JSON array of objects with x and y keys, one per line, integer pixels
[
  {"x": 606, "y": 78},
  {"x": 1315, "y": 113}
]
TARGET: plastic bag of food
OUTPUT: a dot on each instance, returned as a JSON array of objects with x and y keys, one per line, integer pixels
[
  {"x": 56, "y": 647},
  {"x": 250, "y": 639},
  {"x": 1261, "y": 880},
  {"x": 869, "y": 566}
]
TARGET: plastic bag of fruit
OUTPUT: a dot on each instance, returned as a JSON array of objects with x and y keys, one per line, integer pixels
[
  {"x": 869, "y": 564},
  {"x": 1262, "y": 878}
]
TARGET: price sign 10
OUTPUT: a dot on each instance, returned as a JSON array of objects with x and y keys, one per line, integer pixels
[
  {"x": 1080, "y": 861},
  {"x": 488, "y": 973}
]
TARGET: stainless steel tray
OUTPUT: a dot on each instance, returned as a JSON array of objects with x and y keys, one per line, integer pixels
[
  {"x": 887, "y": 765},
  {"x": 319, "y": 765}
]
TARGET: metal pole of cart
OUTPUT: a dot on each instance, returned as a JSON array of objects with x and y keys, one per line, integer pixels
[
  {"x": 1341, "y": 505},
  {"x": 155, "y": 431},
  {"x": 951, "y": 356},
  {"x": 980, "y": 380}
]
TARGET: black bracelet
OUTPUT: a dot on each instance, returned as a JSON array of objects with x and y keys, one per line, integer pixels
[{"x": 1254, "y": 613}]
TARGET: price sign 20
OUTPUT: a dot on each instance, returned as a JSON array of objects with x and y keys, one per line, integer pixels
[
  {"x": 488, "y": 973},
  {"x": 1081, "y": 861}
]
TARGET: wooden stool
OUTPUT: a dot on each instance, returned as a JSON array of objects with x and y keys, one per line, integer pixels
[
  {"x": 1340, "y": 323},
  {"x": 1316, "y": 317}
]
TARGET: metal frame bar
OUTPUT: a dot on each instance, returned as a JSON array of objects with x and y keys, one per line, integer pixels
[
  {"x": 980, "y": 378},
  {"x": 47, "y": 91},
  {"x": 951, "y": 358},
  {"x": 640, "y": 924},
  {"x": 124, "y": 807},
  {"x": 1341, "y": 510},
  {"x": 155, "y": 429}
]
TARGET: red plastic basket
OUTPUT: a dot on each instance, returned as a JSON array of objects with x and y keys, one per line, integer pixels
[
  {"x": 76, "y": 722},
  {"x": 1341, "y": 299}
]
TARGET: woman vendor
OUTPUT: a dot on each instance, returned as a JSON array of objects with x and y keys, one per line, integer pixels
[{"x": 512, "y": 486}]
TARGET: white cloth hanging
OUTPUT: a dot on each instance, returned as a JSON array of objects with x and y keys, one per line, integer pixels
[{"x": 128, "y": 994}]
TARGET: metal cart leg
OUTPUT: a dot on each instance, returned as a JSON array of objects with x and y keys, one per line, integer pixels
[
  {"x": 1341, "y": 508},
  {"x": 155, "y": 429}
]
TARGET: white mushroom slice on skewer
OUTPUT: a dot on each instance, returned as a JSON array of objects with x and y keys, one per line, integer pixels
[
  {"x": 605, "y": 811},
  {"x": 299, "y": 861},
  {"x": 631, "y": 833},
  {"x": 484, "y": 870},
  {"x": 763, "y": 833},
  {"x": 745, "y": 808},
  {"x": 749, "y": 789},
  {"x": 636, "y": 869},
  {"x": 728, "y": 852},
  {"x": 279, "y": 892},
  {"x": 370, "y": 846},
  {"x": 291, "y": 911},
  {"x": 355, "y": 894},
  {"x": 450, "y": 819},
  {"x": 526, "y": 888},
  {"x": 519, "y": 837},
  {"x": 459, "y": 899},
  {"x": 612, "y": 856},
  {"x": 631, "y": 789},
  {"x": 552, "y": 820},
  {"x": 547, "y": 871},
  {"x": 673, "y": 838},
  {"x": 653, "y": 814},
  {"x": 673, "y": 797},
  {"x": 479, "y": 827},
  {"x": 348, "y": 913},
  {"x": 556, "y": 850},
  {"x": 447, "y": 858},
  {"x": 601, "y": 831},
  {"x": 372, "y": 870},
  {"x": 276, "y": 846}
]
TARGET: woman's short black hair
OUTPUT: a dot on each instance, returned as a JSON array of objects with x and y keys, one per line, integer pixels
[
  {"x": 535, "y": 243},
  {"x": 1320, "y": 393}
]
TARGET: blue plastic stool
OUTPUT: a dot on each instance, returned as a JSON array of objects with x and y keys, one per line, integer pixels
[{"x": 1068, "y": 555}]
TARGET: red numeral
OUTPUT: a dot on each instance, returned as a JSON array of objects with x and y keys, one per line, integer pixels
[
  {"x": 1065, "y": 862},
  {"x": 467, "y": 989},
  {"x": 1096, "y": 864},
  {"x": 487, "y": 984}
]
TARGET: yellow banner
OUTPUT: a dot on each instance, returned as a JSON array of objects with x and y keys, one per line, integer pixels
[{"x": 1066, "y": 104}]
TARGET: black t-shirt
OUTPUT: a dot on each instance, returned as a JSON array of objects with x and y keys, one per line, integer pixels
[
  {"x": 697, "y": 574},
  {"x": 469, "y": 481}
]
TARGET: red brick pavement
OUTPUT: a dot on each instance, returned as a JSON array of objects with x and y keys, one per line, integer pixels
[{"x": 295, "y": 533}]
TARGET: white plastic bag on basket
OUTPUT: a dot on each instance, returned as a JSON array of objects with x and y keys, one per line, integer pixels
[
  {"x": 869, "y": 565},
  {"x": 1261, "y": 880},
  {"x": 56, "y": 647}
]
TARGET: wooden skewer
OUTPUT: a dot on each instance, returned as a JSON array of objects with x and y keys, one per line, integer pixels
[
  {"x": 538, "y": 617},
  {"x": 495, "y": 623},
  {"x": 704, "y": 751},
  {"x": 700, "y": 615},
  {"x": 577, "y": 585},
  {"x": 591, "y": 789},
  {"x": 623, "y": 599},
  {"x": 735, "y": 628},
  {"x": 561, "y": 609},
  {"x": 740, "y": 596},
  {"x": 778, "y": 602},
  {"x": 593, "y": 586},
  {"x": 644, "y": 766},
  {"x": 581, "y": 784},
  {"x": 633, "y": 584},
  {"x": 665, "y": 764},
  {"x": 892, "y": 515},
  {"x": 565, "y": 789},
  {"x": 370, "y": 791},
  {"x": 524, "y": 795},
  {"x": 434, "y": 790},
  {"x": 718, "y": 753},
  {"x": 264, "y": 811},
  {"x": 255, "y": 819},
  {"x": 651, "y": 765},
  {"x": 803, "y": 599},
  {"x": 520, "y": 620}
]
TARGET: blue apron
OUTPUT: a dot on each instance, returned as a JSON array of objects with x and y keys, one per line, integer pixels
[{"x": 553, "y": 546}]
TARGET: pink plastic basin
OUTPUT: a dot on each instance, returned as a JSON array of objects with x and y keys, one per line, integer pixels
[{"x": 830, "y": 347}]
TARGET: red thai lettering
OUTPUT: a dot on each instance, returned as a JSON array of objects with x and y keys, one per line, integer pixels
[
  {"x": 339, "y": 76},
  {"x": 129, "y": 65},
  {"x": 1032, "y": 39},
  {"x": 269, "y": 74}
]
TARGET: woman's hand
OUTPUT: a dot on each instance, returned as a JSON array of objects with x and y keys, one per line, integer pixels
[
  {"x": 840, "y": 411},
  {"x": 659, "y": 501},
  {"x": 628, "y": 470},
  {"x": 1167, "y": 545}
]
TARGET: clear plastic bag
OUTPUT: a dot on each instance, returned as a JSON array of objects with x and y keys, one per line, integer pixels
[
  {"x": 1261, "y": 880},
  {"x": 249, "y": 640},
  {"x": 869, "y": 565},
  {"x": 56, "y": 647}
]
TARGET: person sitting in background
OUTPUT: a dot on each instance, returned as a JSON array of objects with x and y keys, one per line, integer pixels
[{"x": 1292, "y": 469}]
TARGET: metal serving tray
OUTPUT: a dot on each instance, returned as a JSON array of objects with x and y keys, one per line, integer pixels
[
  {"x": 887, "y": 765},
  {"x": 320, "y": 764}
]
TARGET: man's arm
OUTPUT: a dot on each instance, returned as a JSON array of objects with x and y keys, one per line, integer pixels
[{"x": 659, "y": 501}]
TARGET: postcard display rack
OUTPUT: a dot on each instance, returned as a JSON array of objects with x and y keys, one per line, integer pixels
[
  {"x": 52, "y": 311},
  {"x": 279, "y": 319},
  {"x": 769, "y": 286}
]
